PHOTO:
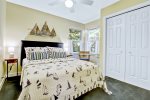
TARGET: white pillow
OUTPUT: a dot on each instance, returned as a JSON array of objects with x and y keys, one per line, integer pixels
[{"x": 36, "y": 53}]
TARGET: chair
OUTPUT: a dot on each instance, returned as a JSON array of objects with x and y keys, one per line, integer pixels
[{"x": 84, "y": 55}]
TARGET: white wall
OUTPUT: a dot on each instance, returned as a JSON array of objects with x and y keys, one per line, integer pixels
[
  {"x": 93, "y": 24},
  {"x": 2, "y": 31},
  {"x": 20, "y": 21}
]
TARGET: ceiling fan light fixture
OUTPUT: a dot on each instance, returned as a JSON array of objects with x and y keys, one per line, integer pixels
[{"x": 69, "y": 3}]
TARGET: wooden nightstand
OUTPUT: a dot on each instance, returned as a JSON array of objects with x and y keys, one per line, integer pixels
[{"x": 11, "y": 60}]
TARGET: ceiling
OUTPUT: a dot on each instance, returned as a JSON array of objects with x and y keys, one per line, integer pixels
[{"x": 83, "y": 13}]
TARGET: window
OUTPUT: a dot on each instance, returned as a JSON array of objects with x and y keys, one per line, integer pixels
[
  {"x": 75, "y": 37},
  {"x": 76, "y": 46},
  {"x": 93, "y": 41}
]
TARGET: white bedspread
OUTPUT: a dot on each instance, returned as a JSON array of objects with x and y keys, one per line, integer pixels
[{"x": 58, "y": 79}]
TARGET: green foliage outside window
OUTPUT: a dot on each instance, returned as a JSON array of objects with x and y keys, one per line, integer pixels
[
  {"x": 76, "y": 46},
  {"x": 93, "y": 38},
  {"x": 74, "y": 34}
]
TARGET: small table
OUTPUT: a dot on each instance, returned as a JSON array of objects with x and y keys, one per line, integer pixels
[{"x": 11, "y": 60}]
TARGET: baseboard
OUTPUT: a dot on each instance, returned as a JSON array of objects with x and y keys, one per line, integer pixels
[
  {"x": 131, "y": 83},
  {"x": 2, "y": 83}
]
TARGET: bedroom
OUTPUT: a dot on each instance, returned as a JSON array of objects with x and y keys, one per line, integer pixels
[{"x": 18, "y": 18}]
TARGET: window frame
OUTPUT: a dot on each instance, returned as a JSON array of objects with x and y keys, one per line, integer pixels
[{"x": 97, "y": 41}]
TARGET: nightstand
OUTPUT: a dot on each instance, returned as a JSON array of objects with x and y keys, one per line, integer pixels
[{"x": 11, "y": 61}]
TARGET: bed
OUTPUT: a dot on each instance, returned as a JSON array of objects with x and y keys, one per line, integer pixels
[{"x": 59, "y": 78}]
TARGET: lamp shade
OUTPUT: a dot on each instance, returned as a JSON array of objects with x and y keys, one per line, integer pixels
[{"x": 11, "y": 49}]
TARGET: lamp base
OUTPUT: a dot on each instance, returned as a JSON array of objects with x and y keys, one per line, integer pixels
[{"x": 11, "y": 55}]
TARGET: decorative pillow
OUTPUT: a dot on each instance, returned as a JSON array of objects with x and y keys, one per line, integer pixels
[
  {"x": 50, "y": 51},
  {"x": 56, "y": 52},
  {"x": 36, "y": 53}
]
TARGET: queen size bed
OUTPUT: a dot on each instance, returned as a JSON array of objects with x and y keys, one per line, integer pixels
[{"x": 57, "y": 77}]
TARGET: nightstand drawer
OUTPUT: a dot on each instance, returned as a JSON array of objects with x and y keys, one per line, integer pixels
[{"x": 12, "y": 61}]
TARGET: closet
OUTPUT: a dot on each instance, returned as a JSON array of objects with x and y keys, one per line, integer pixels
[{"x": 128, "y": 47}]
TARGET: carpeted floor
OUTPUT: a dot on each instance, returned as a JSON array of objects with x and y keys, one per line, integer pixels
[{"x": 120, "y": 90}]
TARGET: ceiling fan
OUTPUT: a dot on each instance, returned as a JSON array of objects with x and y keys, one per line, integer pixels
[{"x": 71, "y": 3}]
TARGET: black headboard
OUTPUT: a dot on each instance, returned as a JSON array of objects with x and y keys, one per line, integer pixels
[{"x": 25, "y": 43}]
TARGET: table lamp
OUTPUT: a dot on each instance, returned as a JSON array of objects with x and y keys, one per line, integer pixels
[{"x": 11, "y": 52}]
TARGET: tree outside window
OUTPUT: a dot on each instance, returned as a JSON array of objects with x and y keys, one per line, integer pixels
[
  {"x": 76, "y": 46},
  {"x": 93, "y": 41},
  {"x": 75, "y": 37}
]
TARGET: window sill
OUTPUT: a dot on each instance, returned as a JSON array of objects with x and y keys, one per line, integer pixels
[{"x": 74, "y": 53}]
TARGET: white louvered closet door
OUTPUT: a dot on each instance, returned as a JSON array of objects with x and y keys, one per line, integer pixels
[
  {"x": 138, "y": 47},
  {"x": 115, "y": 56}
]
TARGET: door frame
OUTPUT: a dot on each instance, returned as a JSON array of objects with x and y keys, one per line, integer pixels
[{"x": 105, "y": 29}]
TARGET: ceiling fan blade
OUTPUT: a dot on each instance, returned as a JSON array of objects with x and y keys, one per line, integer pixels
[
  {"x": 55, "y": 2},
  {"x": 87, "y": 2},
  {"x": 52, "y": 3}
]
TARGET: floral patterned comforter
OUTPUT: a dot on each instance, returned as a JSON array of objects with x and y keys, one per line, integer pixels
[{"x": 58, "y": 79}]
